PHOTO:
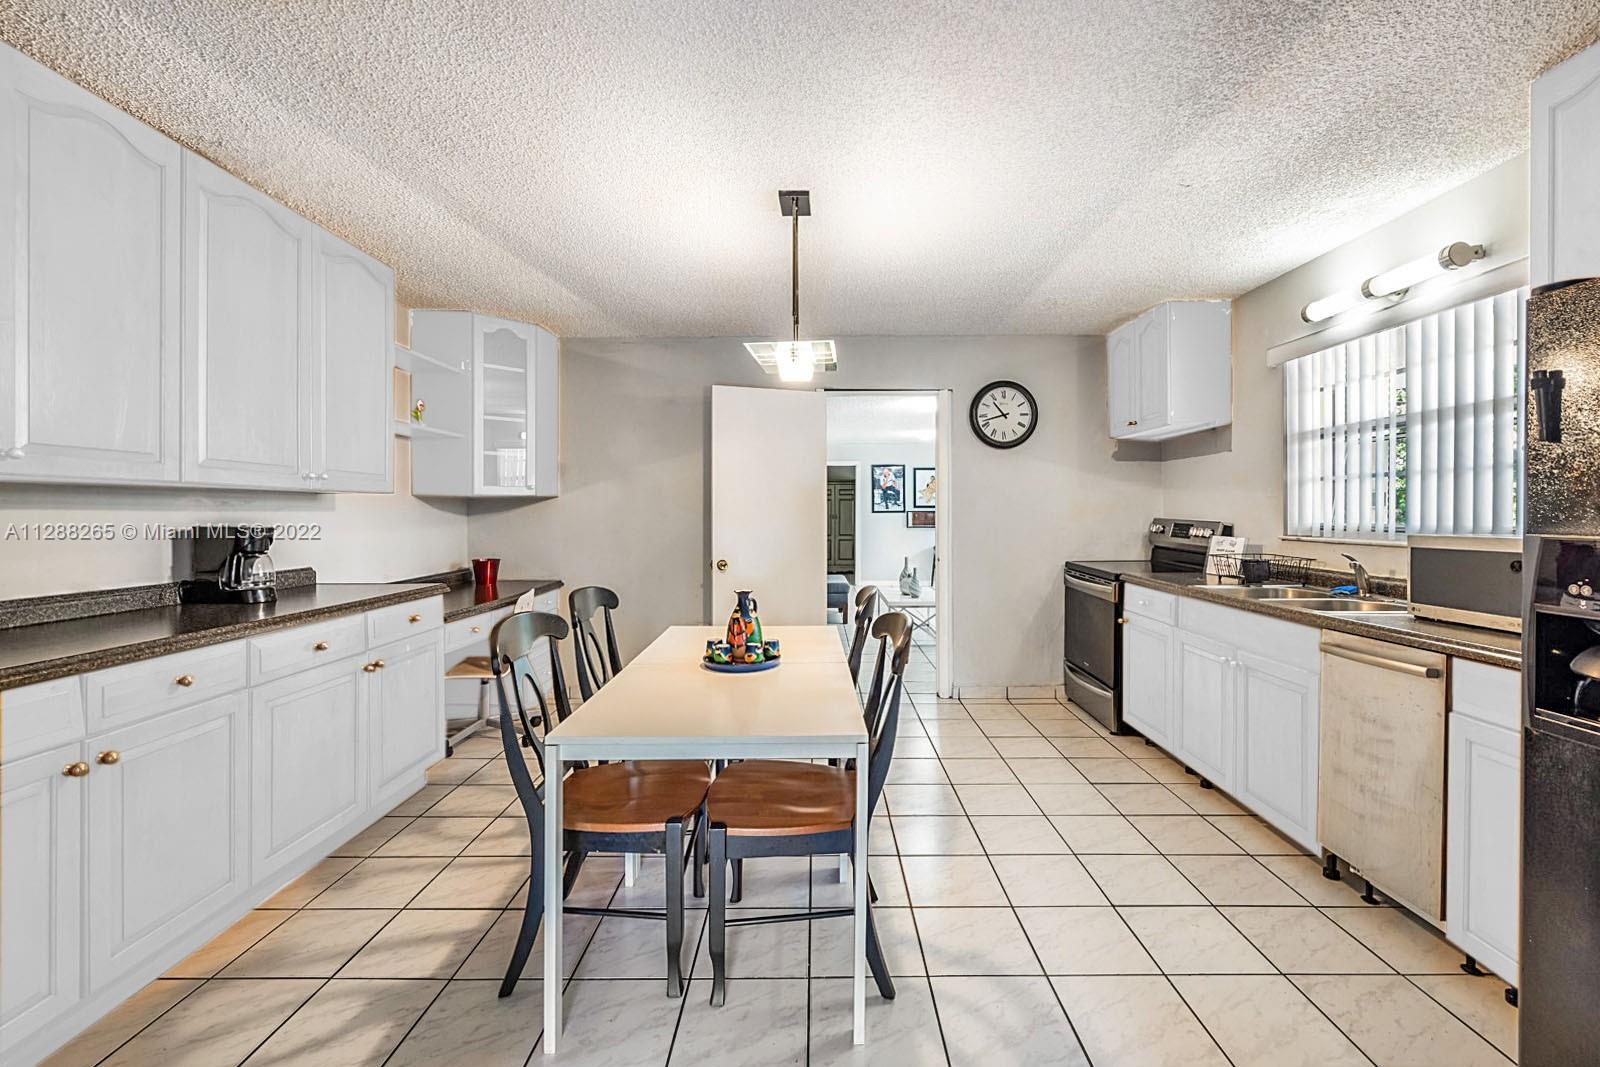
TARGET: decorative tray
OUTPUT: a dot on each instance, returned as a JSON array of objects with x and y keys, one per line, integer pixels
[{"x": 719, "y": 657}]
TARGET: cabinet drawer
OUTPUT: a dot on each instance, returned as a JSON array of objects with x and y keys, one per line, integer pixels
[
  {"x": 38, "y": 717},
  {"x": 1492, "y": 695},
  {"x": 1149, "y": 603},
  {"x": 1290, "y": 643},
  {"x": 403, "y": 620},
  {"x": 471, "y": 635},
  {"x": 304, "y": 647},
  {"x": 138, "y": 691}
]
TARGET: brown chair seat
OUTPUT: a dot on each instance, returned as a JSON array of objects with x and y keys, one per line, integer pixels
[
  {"x": 775, "y": 798},
  {"x": 633, "y": 797}
]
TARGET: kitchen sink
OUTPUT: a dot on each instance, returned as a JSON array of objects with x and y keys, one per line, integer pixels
[
  {"x": 1278, "y": 592},
  {"x": 1353, "y": 605}
]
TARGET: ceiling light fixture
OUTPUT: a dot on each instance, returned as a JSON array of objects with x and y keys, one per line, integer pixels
[
  {"x": 1394, "y": 282},
  {"x": 1394, "y": 285},
  {"x": 795, "y": 360}
]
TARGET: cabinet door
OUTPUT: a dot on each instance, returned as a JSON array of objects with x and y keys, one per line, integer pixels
[
  {"x": 544, "y": 415},
  {"x": 41, "y": 850},
  {"x": 1276, "y": 723},
  {"x": 354, "y": 351},
  {"x": 308, "y": 762},
  {"x": 1483, "y": 848},
  {"x": 167, "y": 824},
  {"x": 89, "y": 252},
  {"x": 1564, "y": 158},
  {"x": 1203, "y": 700},
  {"x": 505, "y": 365},
  {"x": 1152, "y": 405},
  {"x": 249, "y": 408},
  {"x": 1147, "y": 678},
  {"x": 406, "y": 702},
  {"x": 1122, "y": 381}
]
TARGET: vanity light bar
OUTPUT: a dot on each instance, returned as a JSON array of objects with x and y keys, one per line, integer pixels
[{"x": 1393, "y": 285}]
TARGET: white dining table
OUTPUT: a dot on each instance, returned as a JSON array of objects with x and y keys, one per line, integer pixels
[{"x": 665, "y": 705}]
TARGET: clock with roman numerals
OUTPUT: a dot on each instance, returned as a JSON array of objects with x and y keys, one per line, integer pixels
[{"x": 1003, "y": 414}]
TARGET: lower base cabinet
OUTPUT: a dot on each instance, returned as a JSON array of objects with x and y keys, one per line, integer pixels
[
  {"x": 1147, "y": 678},
  {"x": 404, "y": 693},
  {"x": 1203, "y": 707},
  {"x": 1276, "y": 760}
]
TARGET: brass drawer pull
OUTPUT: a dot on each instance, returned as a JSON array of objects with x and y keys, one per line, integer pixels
[
  {"x": 415, "y": 618},
  {"x": 75, "y": 770},
  {"x": 477, "y": 629},
  {"x": 378, "y": 663},
  {"x": 320, "y": 646},
  {"x": 369, "y": 667},
  {"x": 185, "y": 680},
  {"x": 106, "y": 759}
]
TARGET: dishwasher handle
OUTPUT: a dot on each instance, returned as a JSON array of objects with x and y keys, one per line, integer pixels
[
  {"x": 1099, "y": 590},
  {"x": 1416, "y": 670}
]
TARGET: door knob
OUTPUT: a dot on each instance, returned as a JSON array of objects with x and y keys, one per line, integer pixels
[
  {"x": 722, "y": 564},
  {"x": 108, "y": 758},
  {"x": 75, "y": 770}
]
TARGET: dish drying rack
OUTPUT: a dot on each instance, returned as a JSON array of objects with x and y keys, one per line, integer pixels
[{"x": 1260, "y": 568}]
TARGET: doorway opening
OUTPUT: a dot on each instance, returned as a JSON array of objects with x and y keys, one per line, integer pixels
[{"x": 884, "y": 499}]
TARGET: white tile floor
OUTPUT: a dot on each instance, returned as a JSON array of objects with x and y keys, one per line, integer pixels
[{"x": 1038, "y": 907}]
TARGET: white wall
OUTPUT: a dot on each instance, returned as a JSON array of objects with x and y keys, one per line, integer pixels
[
  {"x": 633, "y": 508},
  {"x": 883, "y": 541},
  {"x": 1236, "y": 473}
]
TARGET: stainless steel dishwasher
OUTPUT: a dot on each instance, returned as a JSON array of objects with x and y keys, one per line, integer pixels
[{"x": 1381, "y": 767}]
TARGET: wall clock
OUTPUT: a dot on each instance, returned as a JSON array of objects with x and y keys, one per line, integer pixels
[{"x": 1003, "y": 414}]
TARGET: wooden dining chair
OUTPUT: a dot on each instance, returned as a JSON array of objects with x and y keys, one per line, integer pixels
[
  {"x": 596, "y": 664},
  {"x": 764, "y": 808},
  {"x": 638, "y": 807},
  {"x": 866, "y": 608}
]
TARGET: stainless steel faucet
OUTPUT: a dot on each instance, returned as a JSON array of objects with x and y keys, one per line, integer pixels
[{"x": 1362, "y": 579}]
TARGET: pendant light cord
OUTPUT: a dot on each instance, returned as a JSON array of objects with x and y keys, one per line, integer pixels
[{"x": 794, "y": 208}]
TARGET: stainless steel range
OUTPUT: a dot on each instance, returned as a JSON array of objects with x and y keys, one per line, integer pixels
[{"x": 1093, "y": 649}]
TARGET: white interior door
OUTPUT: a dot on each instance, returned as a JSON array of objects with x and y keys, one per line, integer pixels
[{"x": 769, "y": 502}]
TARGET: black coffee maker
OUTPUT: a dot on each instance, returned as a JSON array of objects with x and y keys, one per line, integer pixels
[{"x": 224, "y": 565}]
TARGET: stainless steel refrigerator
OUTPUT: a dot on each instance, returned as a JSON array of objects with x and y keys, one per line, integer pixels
[{"x": 1559, "y": 962}]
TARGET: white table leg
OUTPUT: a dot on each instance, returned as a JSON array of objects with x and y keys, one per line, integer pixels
[
  {"x": 844, "y": 867},
  {"x": 553, "y": 905},
  {"x": 630, "y": 868},
  {"x": 863, "y": 820}
]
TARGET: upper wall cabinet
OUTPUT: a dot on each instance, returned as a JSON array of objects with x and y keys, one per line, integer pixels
[
  {"x": 248, "y": 395},
  {"x": 490, "y": 388},
  {"x": 1169, "y": 372},
  {"x": 1565, "y": 197},
  {"x": 89, "y": 293},
  {"x": 162, "y": 322}
]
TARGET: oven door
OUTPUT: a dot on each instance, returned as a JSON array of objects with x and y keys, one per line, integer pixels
[{"x": 1091, "y": 645}]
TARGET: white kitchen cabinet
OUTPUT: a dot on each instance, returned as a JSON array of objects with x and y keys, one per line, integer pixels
[
  {"x": 353, "y": 351},
  {"x": 1170, "y": 371},
  {"x": 1275, "y": 765},
  {"x": 166, "y": 830},
  {"x": 406, "y": 711},
  {"x": 308, "y": 761},
  {"x": 497, "y": 422},
  {"x": 1564, "y": 158},
  {"x": 1483, "y": 848},
  {"x": 1203, "y": 706},
  {"x": 249, "y": 402},
  {"x": 90, "y": 223},
  {"x": 41, "y": 828},
  {"x": 1147, "y": 651}
]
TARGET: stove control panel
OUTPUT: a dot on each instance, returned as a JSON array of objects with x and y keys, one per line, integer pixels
[{"x": 1168, "y": 531}]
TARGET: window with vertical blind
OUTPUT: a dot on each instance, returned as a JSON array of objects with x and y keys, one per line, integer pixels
[{"x": 1414, "y": 429}]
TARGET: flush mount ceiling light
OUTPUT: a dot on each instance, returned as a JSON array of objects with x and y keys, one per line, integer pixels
[
  {"x": 795, "y": 360},
  {"x": 1392, "y": 286}
]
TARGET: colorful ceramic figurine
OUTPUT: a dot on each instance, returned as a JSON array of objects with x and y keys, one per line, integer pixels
[{"x": 745, "y": 645}]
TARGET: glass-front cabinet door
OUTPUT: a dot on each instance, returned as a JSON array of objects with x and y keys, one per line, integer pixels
[{"x": 506, "y": 365}]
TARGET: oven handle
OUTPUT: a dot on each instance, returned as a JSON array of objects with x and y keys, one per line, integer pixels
[
  {"x": 1086, "y": 681},
  {"x": 1098, "y": 590}
]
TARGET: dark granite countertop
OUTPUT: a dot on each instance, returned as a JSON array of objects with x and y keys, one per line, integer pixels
[
  {"x": 463, "y": 600},
  {"x": 1491, "y": 647},
  {"x": 47, "y": 650}
]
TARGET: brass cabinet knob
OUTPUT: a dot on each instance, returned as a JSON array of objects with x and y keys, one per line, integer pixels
[
  {"x": 320, "y": 646},
  {"x": 415, "y": 618},
  {"x": 75, "y": 770},
  {"x": 378, "y": 663},
  {"x": 108, "y": 758},
  {"x": 369, "y": 667},
  {"x": 477, "y": 629},
  {"x": 185, "y": 680},
  {"x": 1133, "y": 422}
]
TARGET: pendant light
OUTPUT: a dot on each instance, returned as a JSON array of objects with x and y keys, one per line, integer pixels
[{"x": 794, "y": 360}]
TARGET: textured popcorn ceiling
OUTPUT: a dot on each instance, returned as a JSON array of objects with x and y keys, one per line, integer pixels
[{"x": 1029, "y": 166}]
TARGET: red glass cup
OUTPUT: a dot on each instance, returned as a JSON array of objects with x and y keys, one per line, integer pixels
[{"x": 485, "y": 571}]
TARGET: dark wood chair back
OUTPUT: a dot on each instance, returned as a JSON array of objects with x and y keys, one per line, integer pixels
[
  {"x": 511, "y": 652},
  {"x": 893, "y": 631},
  {"x": 866, "y": 605},
  {"x": 596, "y": 663}
]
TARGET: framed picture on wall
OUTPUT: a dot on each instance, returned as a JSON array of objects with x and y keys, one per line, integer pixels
[
  {"x": 888, "y": 487},
  {"x": 919, "y": 520},
  {"x": 924, "y": 489}
]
